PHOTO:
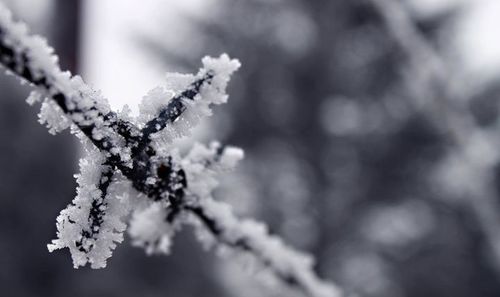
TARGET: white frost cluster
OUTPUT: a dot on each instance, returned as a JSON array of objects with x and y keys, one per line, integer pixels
[
  {"x": 158, "y": 98},
  {"x": 214, "y": 76},
  {"x": 203, "y": 163},
  {"x": 16, "y": 34},
  {"x": 269, "y": 250},
  {"x": 34, "y": 97},
  {"x": 76, "y": 220},
  {"x": 150, "y": 230},
  {"x": 85, "y": 107},
  {"x": 149, "y": 227},
  {"x": 52, "y": 116}
]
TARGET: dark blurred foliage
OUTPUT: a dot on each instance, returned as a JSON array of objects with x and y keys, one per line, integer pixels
[{"x": 341, "y": 162}]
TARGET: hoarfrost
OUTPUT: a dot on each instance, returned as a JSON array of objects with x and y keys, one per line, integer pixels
[
  {"x": 150, "y": 229},
  {"x": 93, "y": 223},
  {"x": 34, "y": 97},
  {"x": 52, "y": 116},
  {"x": 171, "y": 111},
  {"x": 131, "y": 164}
]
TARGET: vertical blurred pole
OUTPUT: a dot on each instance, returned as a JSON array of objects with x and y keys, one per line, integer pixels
[{"x": 66, "y": 32}]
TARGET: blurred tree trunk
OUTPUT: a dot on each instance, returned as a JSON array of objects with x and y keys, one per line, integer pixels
[{"x": 66, "y": 33}]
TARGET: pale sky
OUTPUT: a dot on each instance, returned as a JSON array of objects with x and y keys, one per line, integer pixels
[
  {"x": 113, "y": 63},
  {"x": 480, "y": 37}
]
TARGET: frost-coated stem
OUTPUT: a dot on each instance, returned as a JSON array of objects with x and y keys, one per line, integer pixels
[
  {"x": 175, "y": 107},
  {"x": 248, "y": 236},
  {"x": 97, "y": 211},
  {"x": 124, "y": 151}
]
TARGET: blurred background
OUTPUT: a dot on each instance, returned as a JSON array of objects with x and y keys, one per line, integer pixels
[{"x": 370, "y": 129}]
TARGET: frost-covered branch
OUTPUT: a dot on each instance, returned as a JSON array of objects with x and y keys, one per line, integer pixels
[
  {"x": 248, "y": 236},
  {"x": 132, "y": 169},
  {"x": 176, "y": 106}
]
